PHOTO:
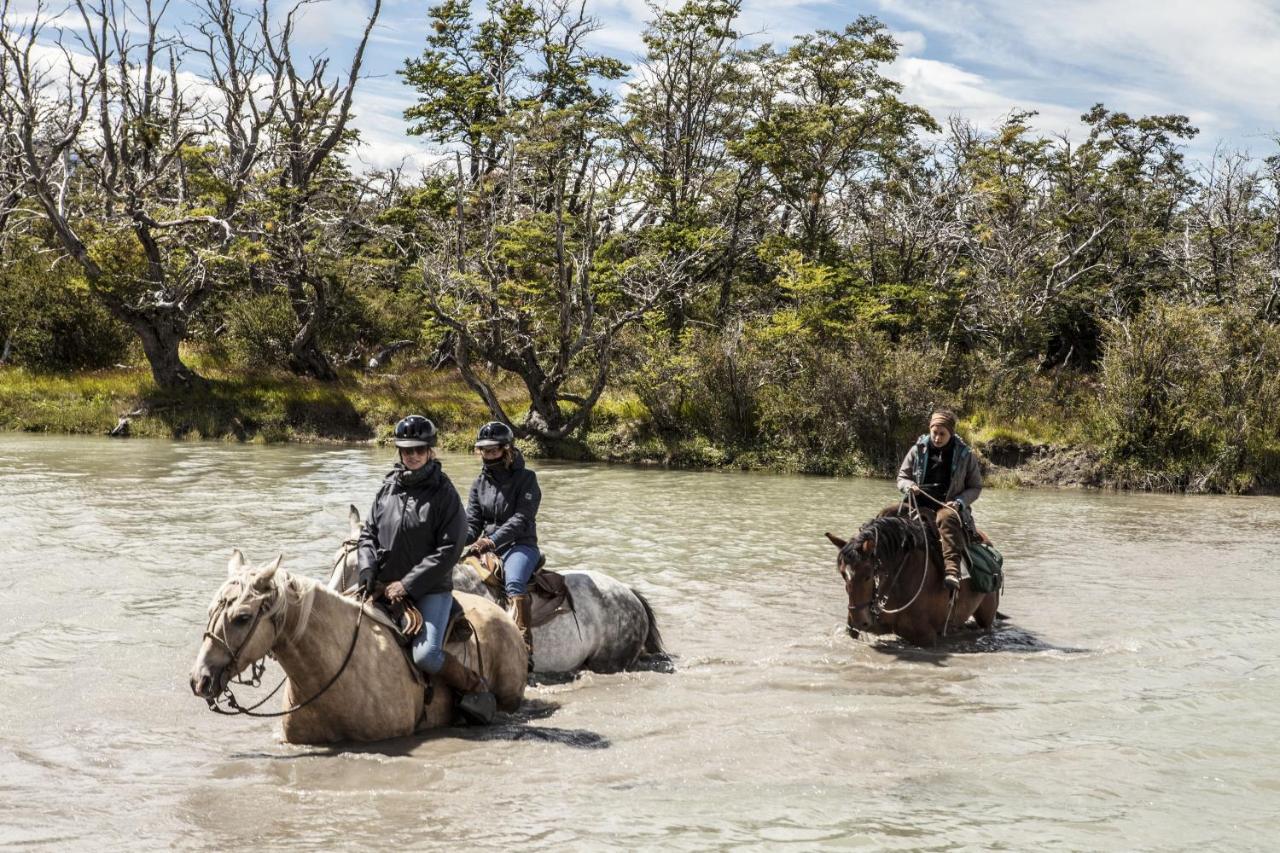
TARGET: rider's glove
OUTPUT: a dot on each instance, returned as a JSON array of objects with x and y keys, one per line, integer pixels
[{"x": 368, "y": 582}]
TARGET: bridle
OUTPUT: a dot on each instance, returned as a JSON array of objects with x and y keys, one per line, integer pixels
[
  {"x": 258, "y": 667},
  {"x": 878, "y": 603}
]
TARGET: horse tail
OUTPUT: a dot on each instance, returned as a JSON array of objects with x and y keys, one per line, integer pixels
[{"x": 652, "y": 639}]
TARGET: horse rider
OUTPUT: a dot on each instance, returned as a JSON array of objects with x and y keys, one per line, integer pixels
[
  {"x": 943, "y": 470},
  {"x": 410, "y": 542},
  {"x": 501, "y": 512}
]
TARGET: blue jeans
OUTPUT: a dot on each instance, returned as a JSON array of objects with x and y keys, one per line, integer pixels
[
  {"x": 428, "y": 647},
  {"x": 518, "y": 563}
]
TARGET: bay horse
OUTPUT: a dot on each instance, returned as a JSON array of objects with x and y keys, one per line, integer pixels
[
  {"x": 892, "y": 572},
  {"x": 348, "y": 679},
  {"x": 610, "y": 626}
]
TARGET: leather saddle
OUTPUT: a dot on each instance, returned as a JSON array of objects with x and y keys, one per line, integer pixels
[{"x": 549, "y": 590}]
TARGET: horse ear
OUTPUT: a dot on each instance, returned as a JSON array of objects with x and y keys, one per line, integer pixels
[
  {"x": 353, "y": 519},
  {"x": 837, "y": 541},
  {"x": 264, "y": 578},
  {"x": 235, "y": 564},
  {"x": 868, "y": 546}
]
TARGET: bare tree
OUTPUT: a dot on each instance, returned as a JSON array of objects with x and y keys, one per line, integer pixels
[
  {"x": 312, "y": 196},
  {"x": 105, "y": 134}
]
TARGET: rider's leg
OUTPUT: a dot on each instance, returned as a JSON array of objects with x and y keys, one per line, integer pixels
[
  {"x": 951, "y": 532},
  {"x": 475, "y": 700},
  {"x": 518, "y": 564},
  {"x": 428, "y": 647}
]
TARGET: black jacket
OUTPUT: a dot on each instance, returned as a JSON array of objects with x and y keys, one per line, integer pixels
[
  {"x": 415, "y": 530},
  {"x": 503, "y": 504}
]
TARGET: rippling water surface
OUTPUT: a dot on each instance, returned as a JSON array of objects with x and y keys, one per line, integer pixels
[{"x": 1128, "y": 703}]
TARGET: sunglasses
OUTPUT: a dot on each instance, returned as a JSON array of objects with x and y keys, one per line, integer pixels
[{"x": 414, "y": 451}]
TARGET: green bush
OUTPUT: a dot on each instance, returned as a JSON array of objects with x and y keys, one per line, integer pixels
[
  {"x": 50, "y": 321},
  {"x": 1189, "y": 399},
  {"x": 259, "y": 329}
]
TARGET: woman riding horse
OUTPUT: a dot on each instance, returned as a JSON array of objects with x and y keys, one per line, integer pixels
[
  {"x": 501, "y": 516},
  {"x": 941, "y": 467},
  {"x": 410, "y": 541}
]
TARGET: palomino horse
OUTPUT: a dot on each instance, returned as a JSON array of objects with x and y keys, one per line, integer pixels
[
  {"x": 347, "y": 678},
  {"x": 610, "y": 626},
  {"x": 892, "y": 574}
]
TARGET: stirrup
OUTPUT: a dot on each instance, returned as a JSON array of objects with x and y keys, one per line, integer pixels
[{"x": 478, "y": 709}]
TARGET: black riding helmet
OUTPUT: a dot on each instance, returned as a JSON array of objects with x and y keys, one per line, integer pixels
[
  {"x": 495, "y": 434},
  {"x": 415, "y": 431}
]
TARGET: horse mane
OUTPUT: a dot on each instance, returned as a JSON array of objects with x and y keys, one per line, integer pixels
[
  {"x": 287, "y": 590},
  {"x": 892, "y": 538}
]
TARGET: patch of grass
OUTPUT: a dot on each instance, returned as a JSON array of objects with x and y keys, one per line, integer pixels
[{"x": 239, "y": 406}]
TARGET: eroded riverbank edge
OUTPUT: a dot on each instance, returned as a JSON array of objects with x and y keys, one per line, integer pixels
[{"x": 360, "y": 409}]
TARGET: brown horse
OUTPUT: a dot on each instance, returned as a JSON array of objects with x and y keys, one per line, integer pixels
[{"x": 892, "y": 573}]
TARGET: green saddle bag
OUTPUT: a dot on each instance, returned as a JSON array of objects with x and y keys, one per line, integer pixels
[{"x": 986, "y": 567}]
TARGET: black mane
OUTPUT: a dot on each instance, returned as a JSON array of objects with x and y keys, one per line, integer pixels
[{"x": 893, "y": 537}]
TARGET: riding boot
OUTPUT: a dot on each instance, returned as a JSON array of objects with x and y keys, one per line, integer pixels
[
  {"x": 476, "y": 701},
  {"x": 522, "y": 613},
  {"x": 951, "y": 577}
]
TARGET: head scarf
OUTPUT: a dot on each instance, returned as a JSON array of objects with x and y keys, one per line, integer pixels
[{"x": 943, "y": 418}]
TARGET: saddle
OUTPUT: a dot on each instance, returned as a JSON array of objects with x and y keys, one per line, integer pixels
[
  {"x": 404, "y": 621},
  {"x": 548, "y": 590}
]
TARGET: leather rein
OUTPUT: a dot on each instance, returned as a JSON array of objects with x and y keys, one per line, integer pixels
[{"x": 258, "y": 667}]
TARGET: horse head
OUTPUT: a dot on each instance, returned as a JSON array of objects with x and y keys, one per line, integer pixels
[
  {"x": 346, "y": 562},
  {"x": 245, "y": 620},
  {"x": 865, "y": 563}
]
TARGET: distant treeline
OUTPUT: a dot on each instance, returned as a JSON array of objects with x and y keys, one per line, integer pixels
[{"x": 776, "y": 254}]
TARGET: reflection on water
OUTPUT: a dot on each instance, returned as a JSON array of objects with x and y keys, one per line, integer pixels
[{"x": 1126, "y": 701}]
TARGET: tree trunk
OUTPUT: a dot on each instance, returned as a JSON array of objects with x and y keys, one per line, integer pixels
[
  {"x": 161, "y": 337},
  {"x": 305, "y": 356}
]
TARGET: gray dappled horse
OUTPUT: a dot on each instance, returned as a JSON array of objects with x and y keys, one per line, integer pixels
[
  {"x": 609, "y": 628},
  {"x": 345, "y": 669}
]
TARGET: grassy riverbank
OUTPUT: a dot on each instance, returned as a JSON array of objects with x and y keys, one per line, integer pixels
[{"x": 1036, "y": 447}]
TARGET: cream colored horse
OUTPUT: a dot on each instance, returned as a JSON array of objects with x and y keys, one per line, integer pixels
[{"x": 309, "y": 630}]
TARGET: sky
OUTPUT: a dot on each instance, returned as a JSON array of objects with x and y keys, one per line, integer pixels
[{"x": 1216, "y": 62}]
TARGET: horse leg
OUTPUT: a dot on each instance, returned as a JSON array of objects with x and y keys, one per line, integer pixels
[{"x": 985, "y": 615}]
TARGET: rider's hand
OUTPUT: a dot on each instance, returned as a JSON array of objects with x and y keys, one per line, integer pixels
[
  {"x": 367, "y": 583},
  {"x": 395, "y": 591},
  {"x": 914, "y": 488},
  {"x": 483, "y": 545}
]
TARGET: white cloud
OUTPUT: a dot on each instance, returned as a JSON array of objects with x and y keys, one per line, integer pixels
[{"x": 1215, "y": 62}]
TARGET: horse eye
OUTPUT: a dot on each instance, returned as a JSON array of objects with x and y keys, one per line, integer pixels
[{"x": 241, "y": 619}]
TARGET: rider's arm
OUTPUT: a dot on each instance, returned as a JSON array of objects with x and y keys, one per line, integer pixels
[
  {"x": 972, "y": 481},
  {"x": 475, "y": 514},
  {"x": 367, "y": 542},
  {"x": 528, "y": 496},
  {"x": 907, "y": 471}
]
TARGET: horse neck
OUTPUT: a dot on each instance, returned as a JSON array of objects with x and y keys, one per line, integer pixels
[
  {"x": 908, "y": 583},
  {"x": 312, "y": 645}
]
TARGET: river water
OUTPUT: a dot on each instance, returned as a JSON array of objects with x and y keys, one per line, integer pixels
[{"x": 1127, "y": 703}]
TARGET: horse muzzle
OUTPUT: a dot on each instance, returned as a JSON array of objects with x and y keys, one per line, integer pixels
[{"x": 206, "y": 683}]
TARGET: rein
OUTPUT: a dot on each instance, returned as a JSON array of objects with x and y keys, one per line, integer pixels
[
  {"x": 877, "y": 604},
  {"x": 257, "y": 668}
]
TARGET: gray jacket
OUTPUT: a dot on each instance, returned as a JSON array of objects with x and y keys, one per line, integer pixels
[
  {"x": 966, "y": 476},
  {"x": 414, "y": 533}
]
